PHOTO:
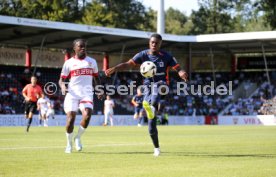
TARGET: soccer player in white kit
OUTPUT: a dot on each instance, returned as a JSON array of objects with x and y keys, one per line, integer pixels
[
  {"x": 108, "y": 110},
  {"x": 43, "y": 106},
  {"x": 51, "y": 111},
  {"x": 81, "y": 70}
]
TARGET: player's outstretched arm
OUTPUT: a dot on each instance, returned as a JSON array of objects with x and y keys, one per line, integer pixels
[
  {"x": 182, "y": 74},
  {"x": 119, "y": 67},
  {"x": 134, "y": 102},
  {"x": 62, "y": 85}
]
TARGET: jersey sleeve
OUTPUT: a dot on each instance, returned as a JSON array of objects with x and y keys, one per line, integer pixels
[
  {"x": 39, "y": 90},
  {"x": 173, "y": 62},
  {"x": 25, "y": 89},
  {"x": 138, "y": 58},
  {"x": 65, "y": 70}
]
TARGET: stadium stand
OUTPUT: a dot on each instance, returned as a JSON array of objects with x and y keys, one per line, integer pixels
[{"x": 243, "y": 101}]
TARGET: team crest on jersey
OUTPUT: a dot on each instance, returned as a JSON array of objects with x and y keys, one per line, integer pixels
[{"x": 161, "y": 64}]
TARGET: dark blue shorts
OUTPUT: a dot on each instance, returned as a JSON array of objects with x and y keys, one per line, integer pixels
[
  {"x": 138, "y": 110},
  {"x": 153, "y": 92}
]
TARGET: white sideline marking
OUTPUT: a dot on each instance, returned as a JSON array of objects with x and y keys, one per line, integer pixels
[{"x": 57, "y": 147}]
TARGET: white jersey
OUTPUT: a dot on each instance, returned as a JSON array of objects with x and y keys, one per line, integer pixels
[
  {"x": 43, "y": 103},
  {"x": 80, "y": 72},
  {"x": 108, "y": 106}
]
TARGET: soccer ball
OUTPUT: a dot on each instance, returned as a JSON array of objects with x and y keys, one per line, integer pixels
[{"x": 148, "y": 69}]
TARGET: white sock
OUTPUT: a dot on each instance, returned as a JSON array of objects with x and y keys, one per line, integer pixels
[
  {"x": 69, "y": 137},
  {"x": 45, "y": 122},
  {"x": 80, "y": 132},
  {"x": 105, "y": 119},
  {"x": 111, "y": 121}
]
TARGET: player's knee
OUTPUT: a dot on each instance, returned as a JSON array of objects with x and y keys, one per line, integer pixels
[
  {"x": 71, "y": 117},
  {"x": 86, "y": 115},
  {"x": 70, "y": 121},
  {"x": 152, "y": 130},
  {"x": 152, "y": 126}
]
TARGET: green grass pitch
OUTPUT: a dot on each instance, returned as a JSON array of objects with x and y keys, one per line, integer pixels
[{"x": 190, "y": 151}]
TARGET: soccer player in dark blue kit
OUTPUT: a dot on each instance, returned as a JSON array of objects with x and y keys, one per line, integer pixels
[
  {"x": 137, "y": 101},
  {"x": 163, "y": 62}
]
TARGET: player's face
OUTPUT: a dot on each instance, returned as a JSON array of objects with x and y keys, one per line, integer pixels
[
  {"x": 80, "y": 49},
  {"x": 33, "y": 80},
  {"x": 155, "y": 44}
]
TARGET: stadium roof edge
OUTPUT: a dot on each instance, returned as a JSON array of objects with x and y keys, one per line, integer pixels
[
  {"x": 88, "y": 28},
  {"x": 136, "y": 33},
  {"x": 261, "y": 35},
  {"x": 25, "y": 32}
]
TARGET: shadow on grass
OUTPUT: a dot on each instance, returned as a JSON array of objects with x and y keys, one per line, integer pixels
[
  {"x": 189, "y": 154},
  {"x": 219, "y": 155},
  {"x": 119, "y": 153}
]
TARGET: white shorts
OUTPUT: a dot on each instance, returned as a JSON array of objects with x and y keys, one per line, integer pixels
[
  {"x": 74, "y": 103},
  {"x": 108, "y": 113},
  {"x": 50, "y": 112},
  {"x": 43, "y": 111}
]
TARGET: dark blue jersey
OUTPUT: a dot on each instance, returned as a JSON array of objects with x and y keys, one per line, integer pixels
[
  {"x": 162, "y": 60},
  {"x": 138, "y": 100}
]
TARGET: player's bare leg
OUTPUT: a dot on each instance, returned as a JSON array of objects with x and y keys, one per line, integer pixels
[
  {"x": 45, "y": 124},
  {"x": 105, "y": 119},
  {"x": 30, "y": 119},
  {"x": 86, "y": 116},
  {"x": 71, "y": 116},
  {"x": 111, "y": 119},
  {"x": 140, "y": 119}
]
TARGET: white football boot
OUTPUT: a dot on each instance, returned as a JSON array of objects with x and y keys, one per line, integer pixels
[
  {"x": 78, "y": 144},
  {"x": 68, "y": 149},
  {"x": 156, "y": 152}
]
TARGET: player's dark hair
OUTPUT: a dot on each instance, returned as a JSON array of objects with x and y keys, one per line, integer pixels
[
  {"x": 156, "y": 35},
  {"x": 78, "y": 40}
]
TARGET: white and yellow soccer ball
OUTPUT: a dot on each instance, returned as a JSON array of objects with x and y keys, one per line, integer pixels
[{"x": 148, "y": 69}]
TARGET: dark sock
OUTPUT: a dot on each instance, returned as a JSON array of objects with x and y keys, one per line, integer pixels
[
  {"x": 140, "y": 120},
  {"x": 40, "y": 121},
  {"x": 29, "y": 124},
  {"x": 155, "y": 140},
  {"x": 153, "y": 132}
]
